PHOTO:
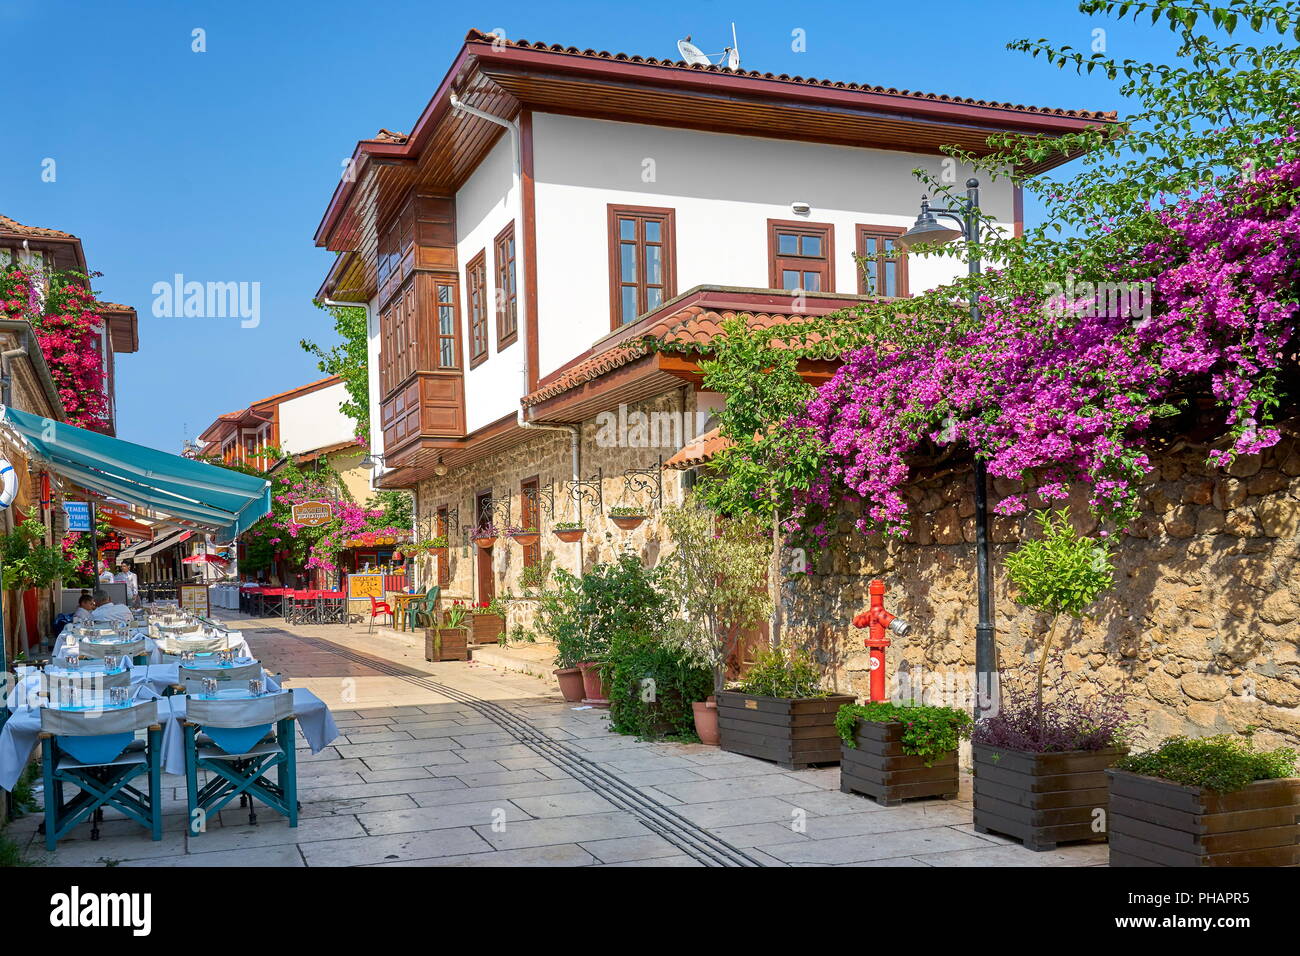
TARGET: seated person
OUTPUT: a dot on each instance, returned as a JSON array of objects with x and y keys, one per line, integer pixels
[
  {"x": 107, "y": 612},
  {"x": 85, "y": 611}
]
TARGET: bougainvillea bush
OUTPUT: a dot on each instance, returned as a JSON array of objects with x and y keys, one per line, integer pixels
[{"x": 61, "y": 309}]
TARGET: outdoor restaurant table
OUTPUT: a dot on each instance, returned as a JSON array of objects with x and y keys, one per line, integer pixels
[
  {"x": 67, "y": 642},
  {"x": 21, "y": 733},
  {"x": 401, "y": 603},
  {"x": 149, "y": 680}
]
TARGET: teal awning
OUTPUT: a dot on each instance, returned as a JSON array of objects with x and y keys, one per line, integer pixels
[{"x": 223, "y": 501}]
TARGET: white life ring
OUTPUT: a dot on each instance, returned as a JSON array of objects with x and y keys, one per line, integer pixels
[{"x": 8, "y": 483}]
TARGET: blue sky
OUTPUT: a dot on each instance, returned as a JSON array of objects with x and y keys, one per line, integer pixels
[{"x": 218, "y": 165}]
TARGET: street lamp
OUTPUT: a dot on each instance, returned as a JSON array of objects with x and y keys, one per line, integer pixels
[{"x": 928, "y": 228}]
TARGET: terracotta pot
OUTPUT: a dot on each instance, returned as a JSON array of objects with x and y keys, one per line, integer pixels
[
  {"x": 627, "y": 522},
  {"x": 527, "y": 539},
  {"x": 570, "y": 535},
  {"x": 485, "y": 543},
  {"x": 595, "y": 687},
  {"x": 706, "y": 722},
  {"x": 571, "y": 685}
]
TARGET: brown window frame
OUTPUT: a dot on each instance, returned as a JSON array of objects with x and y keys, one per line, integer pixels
[
  {"x": 477, "y": 310},
  {"x": 667, "y": 218},
  {"x": 865, "y": 231},
  {"x": 458, "y": 358},
  {"x": 824, "y": 230},
  {"x": 505, "y": 256}
]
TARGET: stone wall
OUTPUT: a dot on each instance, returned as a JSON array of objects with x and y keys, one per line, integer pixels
[
  {"x": 1201, "y": 626},
  {"x": 605, "y": 451}
]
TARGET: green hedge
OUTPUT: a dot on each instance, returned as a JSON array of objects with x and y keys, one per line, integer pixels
[{"x": 652, "y": 687}]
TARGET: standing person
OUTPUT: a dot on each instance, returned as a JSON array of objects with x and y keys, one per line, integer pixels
[
  {"x": 128, "y": 577},
  {"x": 106, "y": 575}
]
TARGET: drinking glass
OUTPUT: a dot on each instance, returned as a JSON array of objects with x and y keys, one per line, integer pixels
[
  {"x": 117, "y": 696},
  {"x": 256, "y": 687},
  {"x": 110, "y": 663}
]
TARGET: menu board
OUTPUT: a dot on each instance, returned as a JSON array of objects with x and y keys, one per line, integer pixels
[
  {"x": 365, "y": 586},
  {"x": 194, "y": 598}
]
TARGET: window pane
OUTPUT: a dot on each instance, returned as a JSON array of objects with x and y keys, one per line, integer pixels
[
  {"x": 627, "y": 256},
  {"x": 891, "y": 278},
  {"x": 789, "y": 279},
  {"x": 869, "y": 276},
  {"x": 812, "y": 245},
  {"x": 787, "y": 244},
  {"x": 629, "y": 304},
  {"x": 627, "y": 229},
  {"x": 812, "y": 281},
  {"x": 654, "y": 265},
  {"x": 444, "y": 293},
  {"x": 446, "y": 353},
  {"x": 654, "y": 297},
  {"x": 446, "y": 320},
  {"x": 652, "y": 231}
]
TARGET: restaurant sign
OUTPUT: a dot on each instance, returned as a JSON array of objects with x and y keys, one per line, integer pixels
[{"x": 312, "y": 514}]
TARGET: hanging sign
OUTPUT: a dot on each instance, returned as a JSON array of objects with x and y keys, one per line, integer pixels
[
  {"x": 78, "y": 513},
  {"x": 312, "y": 514}
]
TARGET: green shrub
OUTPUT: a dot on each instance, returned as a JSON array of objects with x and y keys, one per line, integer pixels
[
  {"x": 783, "y": 672},
  {"x": 653, "y": 683},
  {"x": 1223, "y": 763},
  {"x": 928, "y": 732},
  {"x": 582, "y": 613}
]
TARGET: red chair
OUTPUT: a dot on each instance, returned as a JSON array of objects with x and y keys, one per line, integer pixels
[{"x": 376, "y": 609}]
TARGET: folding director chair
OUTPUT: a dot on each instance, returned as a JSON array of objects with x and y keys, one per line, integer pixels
[
  {"x": 98, "y": 752},
  {"x": 232, "y": 740}
]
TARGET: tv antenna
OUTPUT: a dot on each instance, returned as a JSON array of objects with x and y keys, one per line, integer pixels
[{"x": 729, "y": 57}]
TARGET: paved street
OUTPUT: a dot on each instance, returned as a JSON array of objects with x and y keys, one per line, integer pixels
[{"x": 466, "y": 765}]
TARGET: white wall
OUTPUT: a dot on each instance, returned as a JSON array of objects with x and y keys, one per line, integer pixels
[
  {"x": 315, "y": 420},
  {"x": 724, "y": 188},
  {"x": 485, "y": 205}
]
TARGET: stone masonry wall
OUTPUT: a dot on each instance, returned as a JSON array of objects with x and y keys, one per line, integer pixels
[
  {"x": 547, "y": 456},
  {"x": 1201, "y": 626}
]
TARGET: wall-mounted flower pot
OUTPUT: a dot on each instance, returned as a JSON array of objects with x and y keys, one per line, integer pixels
[
  {"x": 1042, "y": 799},
  {"x": 446, "y": 644},
  {"x": 627, "y": 522},
  {"x": 706, "y": 721},
  {"x": 487, "y": 628},
  {"x": 594, "y": 685},
  {"x": 795, "y": 733},
  {"x": 485, "y": 542},
  {"x": 1156, "y": 822},
  {"x": 526, "y": 539},
  {"x": 878, "y": 768},
  {"x": 570, "y": 535},
  {"x": 571, "y": 686}
]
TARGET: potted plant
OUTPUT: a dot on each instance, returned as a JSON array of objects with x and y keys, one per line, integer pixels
[
  {"x": 778, "y": 711},
  {"x": 1208, "y": 801},
  {"x": 525, "y": 537},
  {"x": 627, "y": 517},
  {"x": 485, "y": 535},
  {"x": 717, "y": 575},
  {"x": 450, "y": 642},
  {"x": 895, "y": 752},
  {"x": 487, "y": 621},
  {"x": 569, "y": 531},
  {"x": 595, "y": 683}
]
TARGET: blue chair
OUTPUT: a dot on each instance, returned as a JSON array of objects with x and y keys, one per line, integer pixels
[
  {"x": 232, "y": 740},
  {"x": 98, "y": 752}
]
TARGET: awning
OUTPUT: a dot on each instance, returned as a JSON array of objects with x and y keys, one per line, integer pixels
[
  {"x": 132, "y": 551},
  {"x": 161, "y": 544},
  {"x": 224, "y": 501}
]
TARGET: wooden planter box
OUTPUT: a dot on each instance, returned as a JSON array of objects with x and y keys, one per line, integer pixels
[
  {"x": 878, "y": 768},
  {"x": 1156, "y": 822},
  {"x": 793, "y": 733},
  {"x": 486, "y": 628},
  {"x": 446, "y": 644},
  {"x": 1042, "y": 799}
]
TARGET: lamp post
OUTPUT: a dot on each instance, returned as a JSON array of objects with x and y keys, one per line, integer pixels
[{"x": 928, "y": 228}]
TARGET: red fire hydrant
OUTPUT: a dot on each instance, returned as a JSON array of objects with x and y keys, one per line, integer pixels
[{"x": 877, "y": 619}]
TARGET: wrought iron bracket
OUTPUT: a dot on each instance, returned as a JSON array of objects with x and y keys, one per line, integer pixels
[
  {"x": 648, "y": 481},
  {"x": 590, "y": 491}
]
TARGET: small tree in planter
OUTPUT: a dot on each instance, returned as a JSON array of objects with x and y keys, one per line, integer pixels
[
  {"x": 894, "y": 752},
  {"x": 1208, "y": 801},
  {"x": 716, "y": 575}
]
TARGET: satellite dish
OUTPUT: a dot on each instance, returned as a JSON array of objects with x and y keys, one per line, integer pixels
[
  {"x": 732, "y": 58},
  {"x": 691, "y": 53}
]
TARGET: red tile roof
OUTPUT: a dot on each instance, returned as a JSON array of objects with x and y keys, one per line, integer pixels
[
  {"x": 699, "y": 451},
  {"x": 690, "y": 329},
  {"x": 479, "y": 36},
  {"x": 13, "y": 227},
  {"x": 113, "y": 307}
]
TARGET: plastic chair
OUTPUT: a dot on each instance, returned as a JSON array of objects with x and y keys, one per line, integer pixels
[
  {"x": 97, "y": 752},
  {"x": 424, "y": 610},
  {"x": 376, "y": 609},
  {"x": 238, "y": 749}
]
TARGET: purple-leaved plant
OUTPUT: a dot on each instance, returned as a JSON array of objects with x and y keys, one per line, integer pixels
[{"x": 1069, "y": 720}]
